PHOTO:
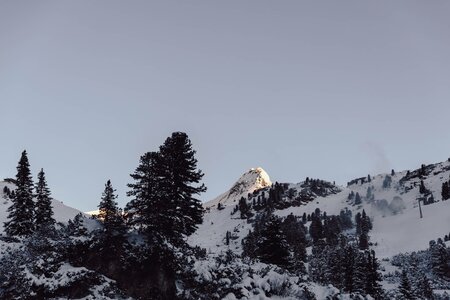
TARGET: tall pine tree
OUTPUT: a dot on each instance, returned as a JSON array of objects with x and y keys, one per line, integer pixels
[
  {"x": 148, "y": 210},
  {"x": 43, "y": 211},
  {"x": 21, "y": 212},
  {"x": 164, "y": 203},
  {"x": 179, "y": 174}
]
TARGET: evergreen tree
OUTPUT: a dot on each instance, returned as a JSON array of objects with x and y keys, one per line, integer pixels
[
  {"x": 405, "y": 287},
  {"x": 439, "y": 258},
  {"x": 273, "y": 246},
  {"x": 360, "y": 273},
  {"x": 76, "y": 226},
  {"x": 109, "y": 242},
  {"x": 295, "y": 234},
  {"x": 249, "y": 245},
  {"x": 445, "y": 191},
  {"x": 243, "y": 207},
  {"x": 348, "y": 263},
  {"x": 387, "y": 182},
  {"x": 422, "y": 189},
  {"x": 21, "y": 212},
  {"x": 366, "y": 224},
  {"x": 363, "y": 242},
  {"x": 109, "y": 214},
  {"x": 346, "y": 218},
  {"x": 6, "y": 191},
  {"x": 351, "y": 195},
  {"x": 357, "y": 199},
  {"x": 44, "y": 211},
  {"x": 424, "y": 288},
  {"x": 334, "y": 266},
  {"x": 179, "y": 173},
  {"x": 148, "y": 211},
  {"x": 358, "y": 223},
  {"x": 331, "y": 229},
  {"x": 316, "y": 227},
  {"x": 373, "y": 277}
]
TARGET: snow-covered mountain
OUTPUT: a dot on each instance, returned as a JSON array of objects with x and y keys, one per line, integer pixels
[
  {"x": 391, "y": 203},
  {"x": 391, "y": 200},
  {"x": 252, "y": 180},
  {"x": 218, "y": 219}
]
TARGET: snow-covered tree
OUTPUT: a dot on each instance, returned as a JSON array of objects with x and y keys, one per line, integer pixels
[
  {"x": 76, "y": 226},
  {"x": 21, "y": 212},
  {"x": 109, "y": 213},
  {"x": 404, "y": 288},
  {"x": 439, "y": 258},
  {"x": 179, "y": 176},
  {"x": 43, "y": 210},
  {"x": 273, "y": 246},
  {"x": 148, "y": 210}
]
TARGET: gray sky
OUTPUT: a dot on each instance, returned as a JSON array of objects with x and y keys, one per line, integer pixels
[{"x": 326, "y": 89}]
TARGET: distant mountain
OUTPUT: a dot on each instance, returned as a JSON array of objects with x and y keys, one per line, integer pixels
[{"x": 391, "y": 201}]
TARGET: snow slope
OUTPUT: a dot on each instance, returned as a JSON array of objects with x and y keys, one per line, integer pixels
[
  {"x": 62, "y": 212},
  {"x": 393, "y": 231}
]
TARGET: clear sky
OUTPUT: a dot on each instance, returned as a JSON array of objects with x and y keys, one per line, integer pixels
[{"x": 325, "y": 89}]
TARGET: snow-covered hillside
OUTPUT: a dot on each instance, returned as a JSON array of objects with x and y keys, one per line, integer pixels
[
  {"x": 218, "y": 220},
  {"x": 391, "y": 203},
  {"x": 62, "y": 212}
]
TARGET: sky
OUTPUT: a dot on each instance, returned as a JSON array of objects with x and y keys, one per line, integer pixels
[{"x": 326, "y": 89}]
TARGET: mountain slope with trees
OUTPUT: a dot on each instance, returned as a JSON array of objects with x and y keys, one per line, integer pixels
[{"x": 379, "y": 237}]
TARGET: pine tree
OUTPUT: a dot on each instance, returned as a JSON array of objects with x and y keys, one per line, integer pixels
[
  {"x": 44, "y": 211},
  {"x": 304, "y": 218},
  {"x": 445, "y": 191},
  {"x": 363, "y": 242},
  {"x": 360, "y": 273},
  {"x": 243, "y": 207},
  {"x": 358, "y": 223},
  {"x": 109, "y": 213},
  {"x": 148, "y": 211},
  {"x": 21, "y": 212},
  {"x": 405, "y": 287},
  {"x": 439, "y": 258},
  {"x": 348, "y": 267},
  {"x": 366, "y": 224},
  {"x": 164, "y": 204},
  {"x": 424, "y": 288},
  {"x": 249, "y": 245},
  {"x": 296, "y": 238},
  {"x": 316, "y": 227},
  {"x": 357, "y": 199},
  {"x": 179, "y": 167},
  {"x": 373, "y": 278},
  {"x": 76, "y": 226},
  {"x": 273, "y": 246}
]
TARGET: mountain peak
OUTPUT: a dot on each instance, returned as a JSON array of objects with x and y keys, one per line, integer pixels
[
  {"x": 255, "y": 178},
  {"x": 252, "y": 180}
]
